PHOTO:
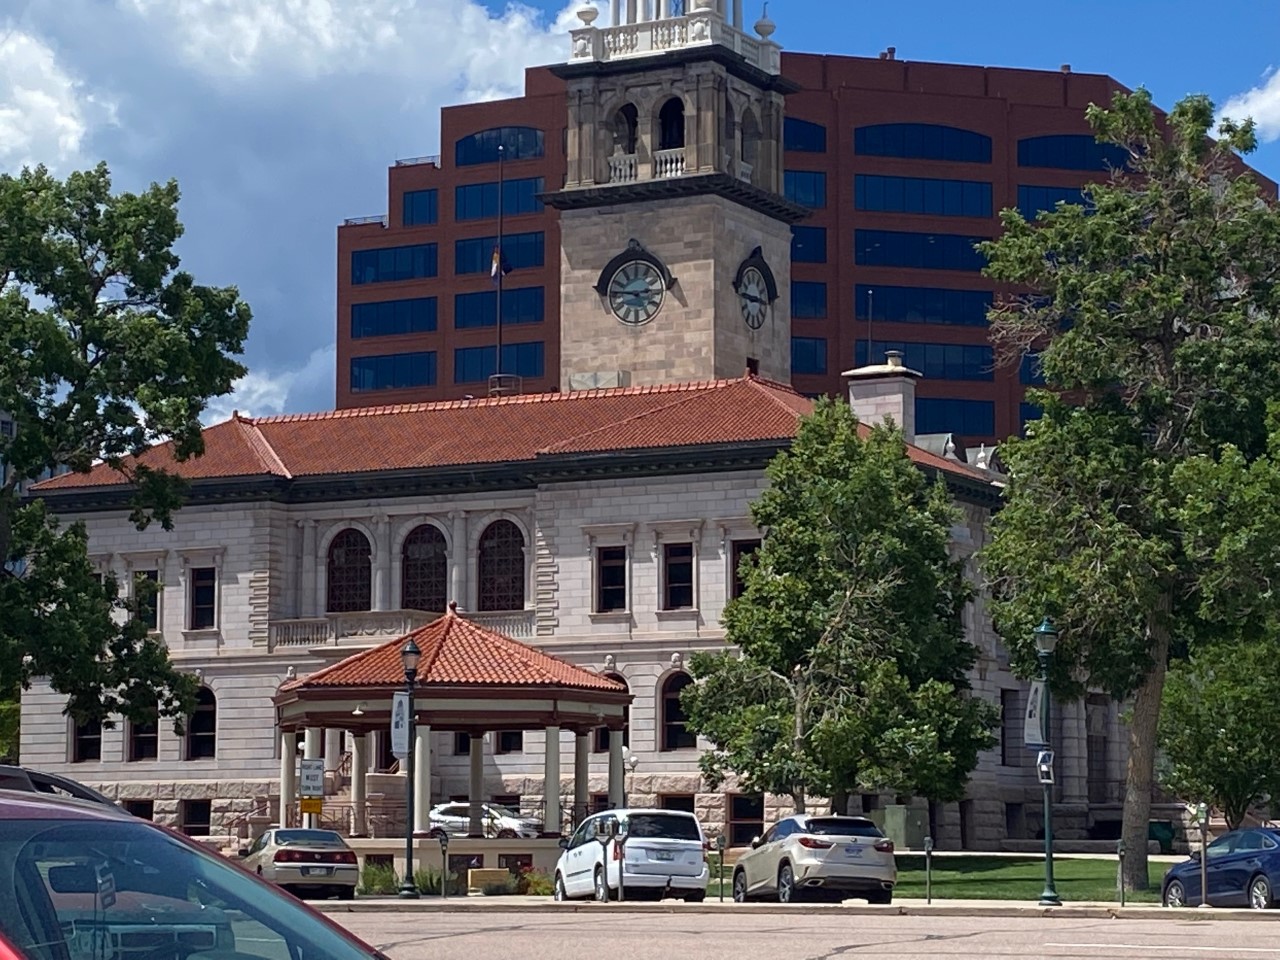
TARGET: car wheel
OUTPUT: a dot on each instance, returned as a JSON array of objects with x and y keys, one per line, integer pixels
[
  {"x": 437, "y": 834},
  {"x": 740, "y": 886},
  {"x": 880, "y": 897},
  {"x": 787, "y": 892},
  {"x": 506, "y": 834},
  {"x": 695, "y": 896},
  {"x": 602, "y": 887},
  {"x": 259, "y": 871},
  {"x": 560, "y": 894},
  {"x": 346, "y": 893},
  {"x": 1175, "y": 895},
  {"x": 1260, "y": 893}
]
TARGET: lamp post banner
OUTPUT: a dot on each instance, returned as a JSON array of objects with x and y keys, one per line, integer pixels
[
  {"x": 400, "y": 725},
  {"x": 1034, "y": 733}
]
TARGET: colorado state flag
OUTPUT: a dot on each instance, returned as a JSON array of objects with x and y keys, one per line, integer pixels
[{"x": 501, "y": 265}]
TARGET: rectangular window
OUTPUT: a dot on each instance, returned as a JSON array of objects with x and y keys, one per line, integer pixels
[
  {"x": 479, "y": 201},
  {"x": 611, "y": 579},
  {"x": 480, "y": 309},
  {"x": 393, "y": 318},
  {"x": 599, "y": 802},
  {"x": 142, "y": 809},
  {"x": 146, "y": 590},
  {"x": 86, "y": 742},
  {"x": 1011, "y": 723},
  {"x": 808, "y": 244},
  {"x": 475, "y": 255},
  {"x": 390, "y": 264},
  {"x": 740, "y": 549},
  {"x": 803, "y": 136},
  {"x": 808, "y": 355},
  {"x": 923, "y": 251},
  {"x": 677, "y": 576},
  {"x": 204, "y": 598},
  {"x": 393, "y": 371},
  {"x": 746, "y": 818},
  {"x": 461, "y": 744},
  {"x": 195, "y": 816},
  {"x": 1029, "y": 371},
  {"x": 966, "y": 308},
  {"x": 144, "y": 741},
  {"x": 1032, "y": 199},
  {"x": 509, "y": 741},
  {"x": 676, "y": 801},
  {"x": 806, "y": 187},
  {"x": 476, "y": 364},
  {"x": 420, "y": 207},
  {"x": 1027, "y": 412},
  {"x": 937, "y": 361},
  {"x": 941, "y": 198},
  {"x": 923, "y": 141},
  {"x": 808, "y": 300},
  {"x": 971, "y": 418}
]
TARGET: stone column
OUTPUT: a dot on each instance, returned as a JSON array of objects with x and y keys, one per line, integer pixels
[
  {"x": 333, "y": 744},
  {"x": 288, "y": 776},
  {"x": 422, "y": 780},
  {"x": 551, "y": 784},
  {"x": 737, "y": 14},
  {"x": 616, "y": 784},
  {"x": 615, "y": 12},
  {"x": 581, "y": 776},
  {"x": 458, "y": 559},
  {"x": 382, "y": 562},
  {"x": 359, "y": 788},
  {"x": 307, "y": 587},
  {"x": 1075, "y": 788},
  {"x": 475, "y": 789},
  {"x": 311, "y": 751}
]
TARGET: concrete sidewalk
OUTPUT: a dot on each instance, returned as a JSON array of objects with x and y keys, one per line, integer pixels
[{"x": 939, "y": 908}]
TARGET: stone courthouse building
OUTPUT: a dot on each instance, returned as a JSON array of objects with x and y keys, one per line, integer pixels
[{"x": 601, "y": 524}]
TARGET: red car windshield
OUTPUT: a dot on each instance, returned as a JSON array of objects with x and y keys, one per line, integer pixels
[{"x": 126, "y": 890}]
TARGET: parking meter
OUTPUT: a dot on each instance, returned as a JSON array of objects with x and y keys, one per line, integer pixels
[
  {"x": 721, "y": 842},
  {"x": 928, "y": 869},
  {"x": 1120, "y": 852},
  {"x": 1044, "y": 767},
  {"x": 1202, "y": 814},
  {"x": 606, "y": 830},
  {"x": 444, "y": 865}
]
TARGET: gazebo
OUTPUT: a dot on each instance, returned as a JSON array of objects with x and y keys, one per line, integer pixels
[{"x": 469, "y": 679}]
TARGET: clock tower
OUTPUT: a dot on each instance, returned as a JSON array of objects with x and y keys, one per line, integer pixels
[{"x": 675, "y": 250}]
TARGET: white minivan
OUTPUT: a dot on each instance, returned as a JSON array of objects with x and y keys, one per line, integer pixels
[{"x": 661, "y": 853}]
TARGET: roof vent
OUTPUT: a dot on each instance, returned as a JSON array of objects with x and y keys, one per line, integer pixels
[
  {"x": 892, "y": 53},
  {"x": 505, "y": 385},
  {"x": 1065, "y": 68}
]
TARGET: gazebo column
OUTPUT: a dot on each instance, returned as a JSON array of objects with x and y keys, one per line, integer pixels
[
  {"x": 359, "y": 790},
  {"x": 616, "y": 786},
  {"x": 332, "y": 749},
  {"x": 551, "y": 784},
  {"x": 311, "y": 751},
  {"x": 422, "y": 780},
  {"x": 475, "y": 791},
  {"x": 581, "y": 776},
  {"x": 288, "y": 775}
]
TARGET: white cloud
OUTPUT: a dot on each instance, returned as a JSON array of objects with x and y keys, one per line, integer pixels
[
  {"x": 45, "y": 113},
  {"x": 1262, "y": 103},
  {"x": 257, "y": 394}
]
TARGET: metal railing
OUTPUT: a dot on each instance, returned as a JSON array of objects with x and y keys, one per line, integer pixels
[
  {"x": 359, "y": 221},
  {"x": 433, "y": 160}
]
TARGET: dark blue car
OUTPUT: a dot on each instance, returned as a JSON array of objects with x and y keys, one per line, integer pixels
[{"x": 1242, "y": 867}]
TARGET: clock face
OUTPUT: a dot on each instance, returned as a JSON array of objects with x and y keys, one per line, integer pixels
[
  {"x": 636, "y": 292},
  {"x": 753, "y": 292}
]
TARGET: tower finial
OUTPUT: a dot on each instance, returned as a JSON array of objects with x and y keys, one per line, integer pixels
[{"x": 764, "y": 26}]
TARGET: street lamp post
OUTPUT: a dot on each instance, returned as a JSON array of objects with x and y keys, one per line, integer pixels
[
  {"x": 1046, "y": 640},
  {"x": 409, "y": 657}
]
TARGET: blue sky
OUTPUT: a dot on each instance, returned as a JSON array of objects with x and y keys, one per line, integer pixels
[{"x": 279, "y": 117}]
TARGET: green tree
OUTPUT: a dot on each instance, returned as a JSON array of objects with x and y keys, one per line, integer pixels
[
  {"x": 849, "y": 624},
  {"x": 107, "y": 349},
  {"x": 1154, "y": 314},
  {"x": 1218, "y": 730}
]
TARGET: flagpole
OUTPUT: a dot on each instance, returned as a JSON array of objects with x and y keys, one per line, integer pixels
[{"x": 497, "y": 361}]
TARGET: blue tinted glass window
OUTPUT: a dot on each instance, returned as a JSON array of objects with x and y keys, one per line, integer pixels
[
  {"x": 1026, "y": 413},
  {"x": 521, "y": 305},
  {"x": 390, "y": 318},
  {"x": 928, "y": 251},
  {"x": 924, "y": 141},
  {"x": 806, "y": 187},
  {"x": 808, "y": 355},
  {"x": 393, "y": 263},
  {"x": 395, "y": 371},
  {"x": 476, "y": 254},
  {"x": 937, "y": 361},
  {"x": 521, "y": 143},
  {"x": 1029, "y": 372},
  {"x": 965, "y": 308},
  {"x": 1031, "y": 199},
  {"x": 973, "y": 418},
  {"x": 803, "y": 136},
  {"x": 475, "y": 364},
  {"x": 808, "y": 299},
  {"x": 479, "y": 201},
  {"x": 420, "y": 207},
  {"x": 808, "y": 244},
  {"x": 1070, "y": 151},
  {"x": 943, "y": 198}
]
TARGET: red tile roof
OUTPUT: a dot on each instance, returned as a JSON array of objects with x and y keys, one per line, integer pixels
[
  {"x": 457, "y": 652},
  {"x": 490, "y": 431}
]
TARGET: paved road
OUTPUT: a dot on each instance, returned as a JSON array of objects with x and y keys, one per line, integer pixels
[{"x": 737, "y": 935}]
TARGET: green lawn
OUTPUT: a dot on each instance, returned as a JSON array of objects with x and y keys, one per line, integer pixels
[{"x": 1008, "y": 878}]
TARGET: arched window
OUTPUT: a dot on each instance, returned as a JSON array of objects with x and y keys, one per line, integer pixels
[
  {"x": 750, "y": 136},
  {"x": 676, "y": 734},
  {"x": 671, "y": 124},
  {"x": 518, "y": 143},
  {"x": 602, "y": 733},
  {"x": 501, "y": 567},
  {"x": 202, "y": 727},
  {"x": 626, "y": 124},
  {"x": 424, "y": 570},
  {"x": 350, "y": 573}
]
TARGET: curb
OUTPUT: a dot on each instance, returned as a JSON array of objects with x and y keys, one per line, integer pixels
[{"x": 917, "y": 909}]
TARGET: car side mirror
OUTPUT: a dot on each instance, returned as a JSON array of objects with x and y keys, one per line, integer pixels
[
  {"x": 564, "y": 843},
  {"x": 755, "y": 843},
  {"x": 243, "y": 851},
  {"x": 1195, "y": 854}
]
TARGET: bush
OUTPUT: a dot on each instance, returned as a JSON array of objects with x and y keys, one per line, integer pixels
[
  {"x": 379, "y": 880},
  {"x": 503, "y": 889},
  {"x": 535, "y": 883},
  {"x": 427, "y": 880}
]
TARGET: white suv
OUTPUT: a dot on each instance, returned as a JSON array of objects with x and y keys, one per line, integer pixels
[
  {"x": 832, "y": 857},
  {"x": 455, "y": 819},
  {"x": 655, "y": 854}
]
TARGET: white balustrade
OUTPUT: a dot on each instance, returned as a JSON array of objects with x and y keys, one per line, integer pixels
[
  {"x": 700, "y": 28},
  {"x": 624, "y": 168},
  {"x": 668, "y": 163}
]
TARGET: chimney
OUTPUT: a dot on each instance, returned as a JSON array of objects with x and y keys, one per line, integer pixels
[
  {"x": 881, "y": 391},
  {"x": 1065, "y": 68},
  {"x": 892, "y": 53}
]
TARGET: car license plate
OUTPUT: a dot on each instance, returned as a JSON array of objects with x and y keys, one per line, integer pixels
[
  {"x": 664, "y": 855},
  {"x": 317, "y": 871},
  {"x": 853, "y": 851}
]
